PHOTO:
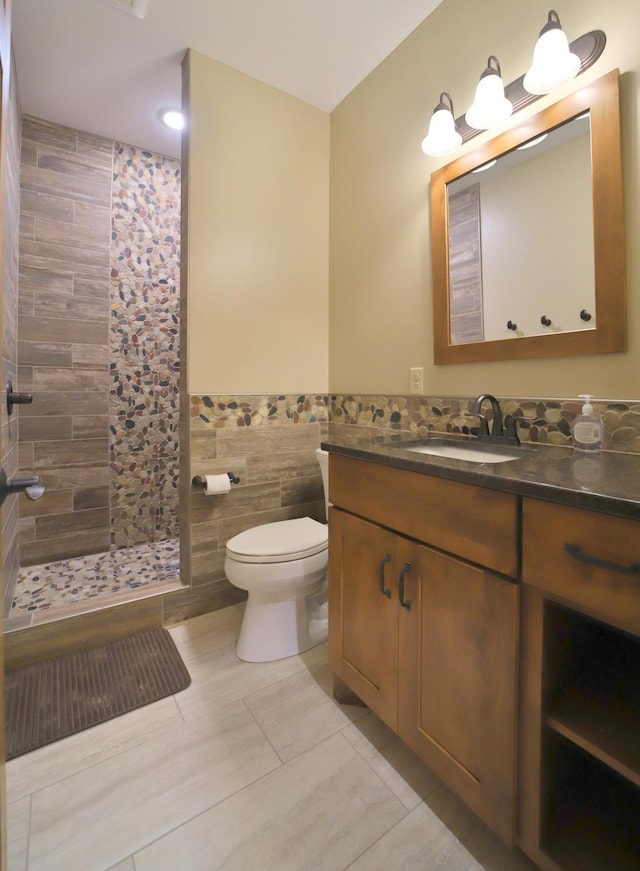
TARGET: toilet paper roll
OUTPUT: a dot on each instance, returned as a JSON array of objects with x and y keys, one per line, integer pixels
[{"x": 214, "y": 484}]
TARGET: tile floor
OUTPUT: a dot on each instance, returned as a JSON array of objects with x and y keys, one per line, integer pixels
[
  {"x": 254, "y": 767},
  {"x": 51, "y": 590}
]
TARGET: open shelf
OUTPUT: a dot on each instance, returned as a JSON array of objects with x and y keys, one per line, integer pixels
[
  {"x": 592, "y": 695},
  {"x": 591, "y": 819}
]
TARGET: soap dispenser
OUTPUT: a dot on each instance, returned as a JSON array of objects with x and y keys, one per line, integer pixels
[{"x": 588, "y": 429}]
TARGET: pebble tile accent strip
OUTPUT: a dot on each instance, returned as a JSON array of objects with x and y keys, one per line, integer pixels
[
  {"x": 59, "y": 584},
  {"x": 144, "y": 333},
  {"x": 543, "y": 421},
  {"x": 223, "y": 411}
]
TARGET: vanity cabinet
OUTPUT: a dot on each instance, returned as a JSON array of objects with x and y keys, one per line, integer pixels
[
  {"x": 424, "y": 621},
  {"x": 580, "y": 692}
]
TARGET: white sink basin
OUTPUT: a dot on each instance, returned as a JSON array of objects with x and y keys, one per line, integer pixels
[{"x": 471, "y": 455}]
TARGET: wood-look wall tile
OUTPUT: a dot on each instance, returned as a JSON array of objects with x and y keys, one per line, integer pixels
[
  {"x": 46, "y": 181},
  {"x": 72, "y": 523},
  {"x": 52, "y": 379},
  {"x": 70, "y": 235},
  {"x": 52, "y": 502},
  {"x": 25, "y": 384},
  {"x": 88, "y": 215},
  {"x": 90, "y": 427},
  {"x": 281, "y": 465},
  {"x": 80, "y": 308},
  {"x": 77, "y": 452},
  {"x": 45, "y": 354},
  {"x": 25, "y": 456},
  {"x": 27, "y": 529},
  {"x": 66, "y": 403},
  {"x": 29, "y": 153},
  {"x": 39, "y": 429},
  {"x": 91, "y": 497},
  {"x": 193, "y": 601},
  {"x": 81, "y": 632},
  {"x": 48, "y": 133},
  {"x": 240, "y": 501},
  {"x": 25, "y": 305},
  {"x": 54, "y": 255},
  {"x": 98, "y": 149},
  {"x": 207, "y": 566},
  {"x": 49, "y": 280},
  {"x": 90, "y": 355},
  {"x": 204, "y": 536},
  {"x": 92, "y": 285},
  {"x": 46, "y": 206},
  {"x": 78, "y": 544},
  {"x": 80, "y": 476},
  {"x": 43, "y": 329},
  {"x": 94, "y": 168},
  {"x": 267, "y": 439},
  {"x": 203, "y": 446},
  {"x": 27, "y": 227},
  {"x": 295, "y": 491}
]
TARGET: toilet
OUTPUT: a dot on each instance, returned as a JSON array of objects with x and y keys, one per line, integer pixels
[{"x": 283, "y": 568}]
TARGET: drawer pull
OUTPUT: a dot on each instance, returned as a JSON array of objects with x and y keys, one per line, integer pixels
[
  {"x": 576, "y": 553},
  {"x": 384, "y": 590},
  {"x": 404, "y": 602}
]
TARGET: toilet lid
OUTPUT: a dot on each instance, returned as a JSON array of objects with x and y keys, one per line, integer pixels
[{"x": 282, "y": 541}]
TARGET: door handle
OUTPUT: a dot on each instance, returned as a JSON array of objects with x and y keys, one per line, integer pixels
[
  {"x": 406, "y": 603},
  {"x": 384, "y": 590}
]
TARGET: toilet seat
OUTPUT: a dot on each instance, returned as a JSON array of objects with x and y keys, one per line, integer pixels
[{"x": 279, "y": 542}]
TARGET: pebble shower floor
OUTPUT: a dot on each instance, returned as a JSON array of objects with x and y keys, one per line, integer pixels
[{"x": 59, "y": 584}]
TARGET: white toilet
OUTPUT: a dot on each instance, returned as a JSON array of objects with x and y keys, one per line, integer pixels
[{"x": 283, "y": 567}]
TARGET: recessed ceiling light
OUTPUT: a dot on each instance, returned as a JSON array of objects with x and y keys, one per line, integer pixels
[
  {"x": 172, "y": 118},
  {"x": 137, "y": 8}
]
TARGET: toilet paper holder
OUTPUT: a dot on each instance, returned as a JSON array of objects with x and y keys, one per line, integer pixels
[{"x": 199, "y": 481}]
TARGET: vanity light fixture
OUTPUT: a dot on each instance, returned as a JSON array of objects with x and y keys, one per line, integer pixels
[
  {"x": 449, "y": 133},
  {"x": 442, "y": 136},
  {"x": 553, "y": 63},
  {"x": 490, "y": 106},
  {"x": 172, "y": 118}
]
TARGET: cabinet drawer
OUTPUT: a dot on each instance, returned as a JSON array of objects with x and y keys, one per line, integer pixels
[
  {"x": 597, "y": 578},
  {"x": 471, "y": 522}
]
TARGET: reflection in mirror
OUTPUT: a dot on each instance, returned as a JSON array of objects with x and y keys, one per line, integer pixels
[
  {"x": 528, "y": 214},
  {"x": 528, "y": 237}
]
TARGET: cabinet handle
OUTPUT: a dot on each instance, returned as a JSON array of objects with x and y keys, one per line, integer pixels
[
  {"x": 574, "y": 551},
  {"x": 384, "y": 590},
  {"x": 404, "y": 602}
]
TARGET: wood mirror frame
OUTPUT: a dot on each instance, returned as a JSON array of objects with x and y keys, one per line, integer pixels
[{"x": 601, "y": 99}]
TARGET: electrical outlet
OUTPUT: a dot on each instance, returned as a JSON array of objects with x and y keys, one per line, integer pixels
[{"x": 415, "y": 380}]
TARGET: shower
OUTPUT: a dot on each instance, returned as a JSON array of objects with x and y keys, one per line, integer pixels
[{"x": 98, "y": 347}]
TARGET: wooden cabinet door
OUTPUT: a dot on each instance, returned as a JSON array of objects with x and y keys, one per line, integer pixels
[
  {"x": 458, "y": 636},
  {"x": 363, "y": 611}
]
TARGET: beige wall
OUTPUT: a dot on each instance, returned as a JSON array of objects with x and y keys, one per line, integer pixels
[
  {"x": 380, "y": 276},
  {"x": 258, "y": 219}
]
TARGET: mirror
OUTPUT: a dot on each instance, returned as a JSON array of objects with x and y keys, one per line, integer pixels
[{"x": 528, "y": 258}]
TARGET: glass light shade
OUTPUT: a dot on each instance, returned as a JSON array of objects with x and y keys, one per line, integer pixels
[
  {"x": 490, "y": 106},
  {"x": 442, "y": 137},
  {"x": 553, "y": 64}
]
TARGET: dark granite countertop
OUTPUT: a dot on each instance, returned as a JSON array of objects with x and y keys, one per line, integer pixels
[{"x": 608, "y": 482}]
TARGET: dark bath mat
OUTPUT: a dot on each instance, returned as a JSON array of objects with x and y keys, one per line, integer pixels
[{"x": 49, "y": 700}]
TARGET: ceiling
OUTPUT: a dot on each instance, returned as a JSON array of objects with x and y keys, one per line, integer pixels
[{"x": 91, "y": 65}]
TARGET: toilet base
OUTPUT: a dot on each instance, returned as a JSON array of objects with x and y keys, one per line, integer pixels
[{"x": 276, "y": 629}]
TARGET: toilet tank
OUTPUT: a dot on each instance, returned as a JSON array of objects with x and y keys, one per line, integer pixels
[{"x": 323, "y": 459}]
